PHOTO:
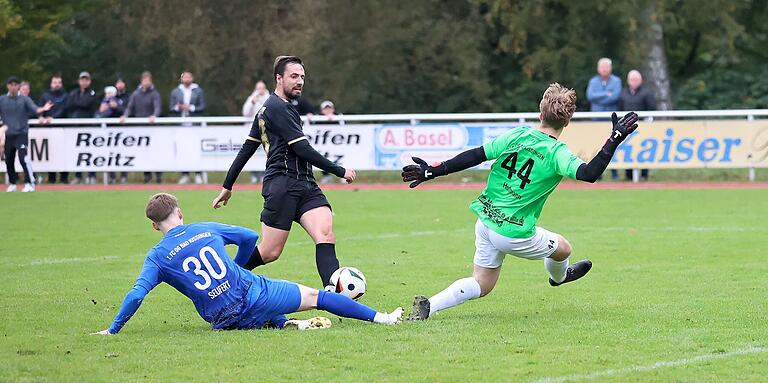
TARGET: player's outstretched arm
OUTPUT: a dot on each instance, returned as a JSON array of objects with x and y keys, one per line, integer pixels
[
  {"x": 305, "y": 151},
  {"x": 130, "y": 304},
  {"x": 416, "y": 174},
  {"x": 622, "y": 128},
  {"x": 246, "y": 152}
]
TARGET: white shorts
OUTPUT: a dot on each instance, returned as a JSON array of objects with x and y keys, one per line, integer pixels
[{"x": 491, "y": 247}]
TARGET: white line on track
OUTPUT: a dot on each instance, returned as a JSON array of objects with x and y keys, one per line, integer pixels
[
  {"x": 664, "y": 364},
  {"x": 54, "y": 261}
]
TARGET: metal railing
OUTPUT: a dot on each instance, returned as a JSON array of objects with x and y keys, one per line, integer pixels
[{"x": 748, "y": 114}]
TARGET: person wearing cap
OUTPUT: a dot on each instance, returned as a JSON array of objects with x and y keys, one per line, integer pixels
[
  {"x": 15, "y": 110},
  {"x": 328, "y": 111},
  {"x": 83, "y": 103}
]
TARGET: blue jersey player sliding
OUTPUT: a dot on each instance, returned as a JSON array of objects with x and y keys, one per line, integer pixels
[{"x": 192, "y": 259}]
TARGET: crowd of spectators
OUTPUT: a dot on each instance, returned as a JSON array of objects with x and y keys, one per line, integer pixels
[
  {"x": 117, "y": 101},
  {"x": 604, "y": 93}
]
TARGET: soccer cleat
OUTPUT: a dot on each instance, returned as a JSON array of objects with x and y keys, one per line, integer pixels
[
  {"x": 11, "y": 188},
  {"x": 28, "y": 188},
  {"x": 395, "y": 317},
  {"x": 315, "y": 323},
  {"x": 420, "y": 308},
  {"x": 575, "y": 271}
]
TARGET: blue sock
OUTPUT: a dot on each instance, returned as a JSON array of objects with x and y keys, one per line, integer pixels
[{"x": 344, "y": 306}]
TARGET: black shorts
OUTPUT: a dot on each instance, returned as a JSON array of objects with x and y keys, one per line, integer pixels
[{"x": 287, "y": 199}]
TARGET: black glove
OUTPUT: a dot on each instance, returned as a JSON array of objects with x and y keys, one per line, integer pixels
[
  {"x": 623, "y": 127},
  {"x": 418, "y": 173}
]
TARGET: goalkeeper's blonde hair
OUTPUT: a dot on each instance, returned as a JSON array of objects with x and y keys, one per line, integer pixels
[{"x": 557, "y": 106}]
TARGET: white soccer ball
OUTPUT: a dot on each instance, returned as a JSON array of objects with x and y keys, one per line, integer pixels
[{"x": 348, "y": 281}]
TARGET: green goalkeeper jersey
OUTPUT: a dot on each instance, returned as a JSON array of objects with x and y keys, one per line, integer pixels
[{"x": 529, "y": 165}]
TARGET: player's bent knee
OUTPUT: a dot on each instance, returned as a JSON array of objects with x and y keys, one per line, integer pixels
[
  {"x": 325, "y": 236},
  {"x": 563, "y": 251},
  {"x": 271, "y": 255}
]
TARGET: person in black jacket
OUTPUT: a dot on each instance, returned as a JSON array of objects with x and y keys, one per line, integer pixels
[
  {"x": 120, "y": 104},
  {"x": 58, "y": 96},
  {"x": 636, "y": 97},
  {"x": 82, "y": 103}
]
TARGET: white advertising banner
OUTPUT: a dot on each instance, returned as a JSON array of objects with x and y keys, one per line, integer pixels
[
  {"x": 656, "y": 145},
  {"x": 178, "y": 148}
]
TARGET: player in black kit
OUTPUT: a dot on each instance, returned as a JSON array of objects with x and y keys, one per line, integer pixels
[{"x": 290, "y": 191}]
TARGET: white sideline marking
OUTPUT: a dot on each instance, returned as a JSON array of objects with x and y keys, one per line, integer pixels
[
  {"x": 673, "y": 363},
  {"x": 54, "y": 261}
]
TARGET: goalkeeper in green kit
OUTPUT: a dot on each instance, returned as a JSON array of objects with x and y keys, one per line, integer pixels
[{"x": 529, "y": 165}]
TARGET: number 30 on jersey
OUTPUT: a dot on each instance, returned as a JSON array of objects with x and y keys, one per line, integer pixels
[{"x": 209, "y": 269}]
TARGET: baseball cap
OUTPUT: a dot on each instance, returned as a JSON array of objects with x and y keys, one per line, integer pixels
[
  {"x": 326, "y": 104},
  {"x": 84, "y": 74},
  {"x": 12, "y": 79}
]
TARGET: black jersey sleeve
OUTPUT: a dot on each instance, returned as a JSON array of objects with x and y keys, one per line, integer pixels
[
  {"x": 305, "y": 151},
  {"x": 245, "y": 154}
]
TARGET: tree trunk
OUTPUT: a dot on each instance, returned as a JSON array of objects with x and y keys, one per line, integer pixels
[{"x": 658, "y": 71}]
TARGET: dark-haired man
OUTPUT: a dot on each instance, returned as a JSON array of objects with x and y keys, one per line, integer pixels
[
  {"x": 290, "y": 191},
  {"x": 15, "y": 110}
]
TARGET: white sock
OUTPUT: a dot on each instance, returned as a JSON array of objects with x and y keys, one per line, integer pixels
[
  {"x": 457, "y": 293},
  {"x": 557, "y": 270}
]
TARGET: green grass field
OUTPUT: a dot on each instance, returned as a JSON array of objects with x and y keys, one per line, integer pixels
[{"x": 677, "y": 293}]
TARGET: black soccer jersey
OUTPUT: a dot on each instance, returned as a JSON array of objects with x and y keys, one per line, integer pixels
[{"x": 277, "y": 126}]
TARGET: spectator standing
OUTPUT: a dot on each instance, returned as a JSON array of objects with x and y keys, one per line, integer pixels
[
  {"x": 122, "y": 95},
  {"x": 119, "y": 106},
  {"x": 187, "y": 99},
  {"x": 635, "y": 98},
  {"x": 604, "y": 92},
  {"x": 58, "y": 96},
  {"x": 83, "y": 103},
  {"x": 328, "y": 110},
  {"x": 145, "y": 102},
  {"x": 251, "y": 107},
  {"x": 25, "y": 90},
  {"x": 14, "y": 111}
]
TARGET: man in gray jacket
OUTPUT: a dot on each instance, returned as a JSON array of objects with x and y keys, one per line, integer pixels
[
  {"x": 145, "y": 102},
  {"x": 187, "y": 100},
  {"x": 15, "y": 110}
]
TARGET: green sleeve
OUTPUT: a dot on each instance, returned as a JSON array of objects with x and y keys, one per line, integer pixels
[
  {"x": 498, "y": 145},
  {"x": 566, "y": 163}
]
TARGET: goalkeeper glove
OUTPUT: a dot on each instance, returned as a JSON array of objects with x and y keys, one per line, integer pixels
[{"x": 420, "y": 172}]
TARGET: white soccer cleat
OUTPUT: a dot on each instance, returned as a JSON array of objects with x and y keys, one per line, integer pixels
[
  {"x": 28, "y": 188},
  {"x": 315, "y": 323},
  {"x": 11, "y": 188},
  {"x": 395, "y": 317}
]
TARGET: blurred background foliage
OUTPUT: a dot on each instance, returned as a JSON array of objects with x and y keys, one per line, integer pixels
[{"x": 396, "y": 56}]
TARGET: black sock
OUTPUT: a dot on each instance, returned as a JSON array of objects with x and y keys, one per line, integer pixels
[
  {"x": 255, "y": 260},
  {"x": 327, "y": 263}
]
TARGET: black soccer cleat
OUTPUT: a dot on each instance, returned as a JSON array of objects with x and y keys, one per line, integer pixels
[
  {"x": 420, "y": 308},
  {"x": 575, "y": 271}
]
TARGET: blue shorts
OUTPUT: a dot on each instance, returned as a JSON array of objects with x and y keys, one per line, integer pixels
[{"x": 270, "y": 300}]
